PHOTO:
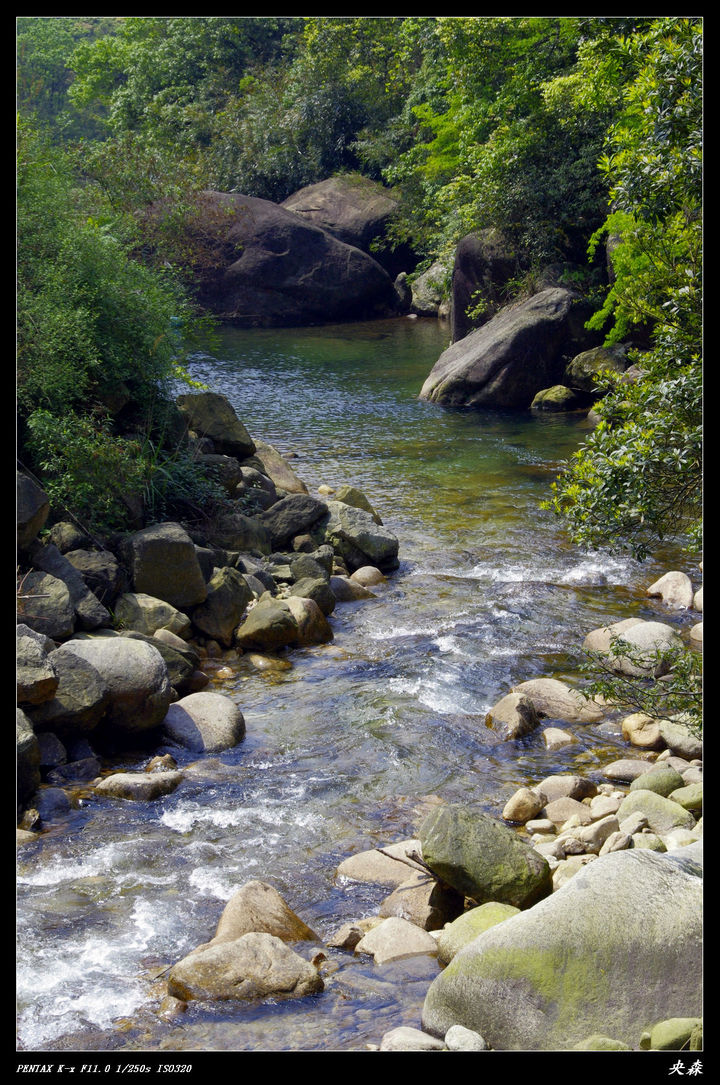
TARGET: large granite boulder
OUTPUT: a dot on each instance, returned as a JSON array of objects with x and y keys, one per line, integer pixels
[
  {"x": 164, "y": 564},
  {"x": 484, "y": 263},
  {"x": 80, "y": 700},
  {"x": 272, "y": 269},
  {"x": 205, "y": 722},
  {"x": 616, "y": 949},
  {"x": 293, "y": 515},
  {"x": 209, "y": 414},
  {"x": 45, "y": 605},
  {"x": 356, "y": 210},
  {"x": 220, "y": 614},
  {"x": 137, "y": 680},
  {"x": 507, "y": 361},
  {"x": 258, "y": 907},
  {"x": 35, "y": 677},
  {"x": 89, "y": 611},
  {"x": 483, "y": 858}
]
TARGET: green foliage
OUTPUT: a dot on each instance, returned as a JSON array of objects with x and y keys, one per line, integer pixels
[
  {"x": 92, "y": 322},
  {"x": 638, "y": 479},
  {"x": 85, "y": 468},
  {"x": 45, "y": 46},
  {"x": 106, "y": 480}
]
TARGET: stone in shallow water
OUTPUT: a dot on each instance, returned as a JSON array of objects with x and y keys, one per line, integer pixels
[{"x": 255, "y": 966}]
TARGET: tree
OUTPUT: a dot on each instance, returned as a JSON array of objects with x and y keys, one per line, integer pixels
[{"x": 638, "y": 479}]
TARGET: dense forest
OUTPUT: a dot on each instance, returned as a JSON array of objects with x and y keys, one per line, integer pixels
[{"x": 568, "y": 134}]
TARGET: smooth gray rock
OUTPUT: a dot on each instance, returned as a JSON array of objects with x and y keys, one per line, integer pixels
[
  {"x": 137, "y": 680},
  {"x": 616, "y": 949},
  {"x": 507, "y": 361},
  {"x": 205, "y": 722}
]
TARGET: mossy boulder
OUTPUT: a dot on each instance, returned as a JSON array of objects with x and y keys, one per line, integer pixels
[
  {"x": 482, "y": 858},
  {"x": 613, "y": 951}
]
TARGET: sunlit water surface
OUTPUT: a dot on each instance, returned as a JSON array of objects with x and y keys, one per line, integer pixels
[{"x": 347, "y": 748}]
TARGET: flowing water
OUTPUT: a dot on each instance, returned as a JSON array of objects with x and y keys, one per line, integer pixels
[{"x": 352, "y": 742}]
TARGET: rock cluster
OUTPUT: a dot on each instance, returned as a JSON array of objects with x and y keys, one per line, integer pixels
[{"x": 112, "y": 634}]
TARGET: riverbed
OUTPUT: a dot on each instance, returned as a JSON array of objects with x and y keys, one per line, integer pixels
[{"x": 349, "y": 743}]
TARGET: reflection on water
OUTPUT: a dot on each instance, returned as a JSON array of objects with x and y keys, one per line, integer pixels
[{"x": 347, "y": 746}]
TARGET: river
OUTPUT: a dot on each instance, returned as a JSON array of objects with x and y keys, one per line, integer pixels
[{"x": 347, "y": 747}]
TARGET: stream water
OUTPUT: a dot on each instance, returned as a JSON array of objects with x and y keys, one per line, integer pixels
[{"x": 347, "y": 747}]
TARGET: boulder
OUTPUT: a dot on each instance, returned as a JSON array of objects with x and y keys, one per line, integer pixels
[
  {"x": 640, "y": 649},
  {"x": 681, "y": 738},
  {"x": 291, "y": 516},
  {"x": 89, "y": 611},
  {"x": 380, "y": 868},
  {"x": 210, "y": 414},
  {"x": 423, "y": 901},
  {"x": 525, "y": 804},
  {"x": 225, "y": 469},
  {"x": 347, "y": 590},
  {"x": 318, "y": 589},
  {"x": 136, "y": 677},
  {"x": 253, "y": 967},
  {"x": 143, "y": 613},
  {"x": 513, "y": 716},
  {"x": 583, "y": 371},
  {"x": 405, "y": 1038},
  {"x": 80, "y": 700},
  {"x": 355, "y": 210},
  {"x": 234, "y": 531},
  {"x": 675, "y": 589},
  {"x": 139, "y": 786},
  {"x": 312, "y": 625},
  {"x": 559, "y": 398},
  {"x": 470, "y": 925},
  {"x": 396, "y": 939},
  {"x": 507, "y": 361},
  {"x": 228, "y": 595},
  {"x": 430, "y": 289},
  {"x": 205, "y": 722},
  {"x": 662, "y": 779},
  {"x": 662, "y": 814},
  {"x": 164, "y": 564},
  {"x": 555, "y": 700},
  {"x": 568, "y": 786},
  {"x": 272, "y": 269},
  {"x": 642, "y": 730},
  {"x": 45, "y": 605},
  {"x": 484, "y": 263},
  {"x": 257, "y": 906},
  {"x": 100, "y": 571},
  {"x": 277, "y": 469},
  {"x": 35, "y": 677},
  {"x": 268, "y": 626},
  {"x": 358, "y": 539},
  {"x": 350, "y": 495},
  {"x": 483, "y": 858},
  {"x": 616, "y": 949},
  {"x": 32, "y": 507}
]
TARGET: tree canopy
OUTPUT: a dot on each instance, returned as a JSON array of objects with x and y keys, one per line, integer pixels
[{"x": 571, "y": 135}]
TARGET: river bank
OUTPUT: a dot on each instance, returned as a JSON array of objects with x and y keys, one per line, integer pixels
[{"x": 287, "y": 806}]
